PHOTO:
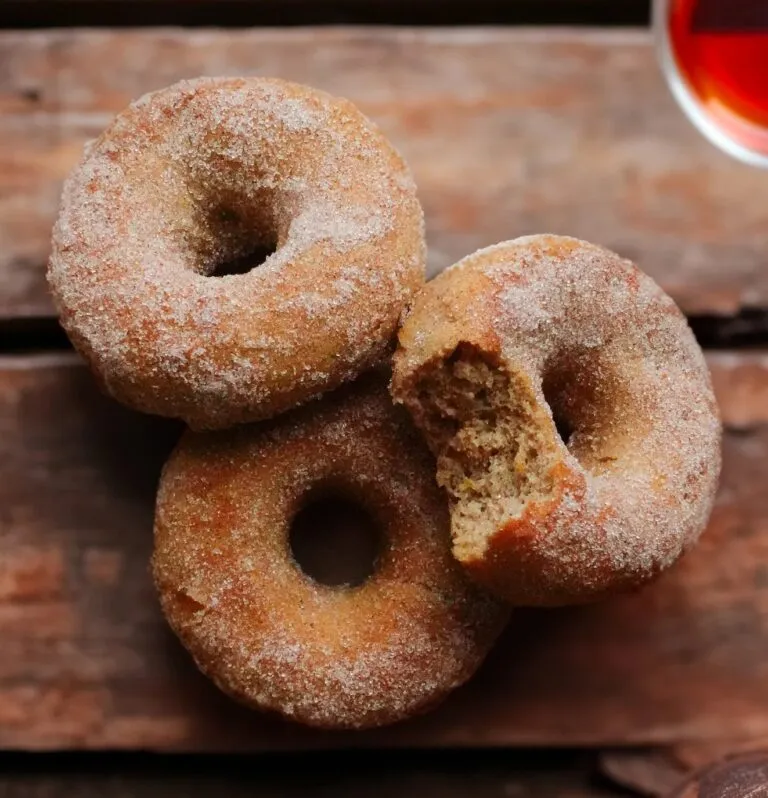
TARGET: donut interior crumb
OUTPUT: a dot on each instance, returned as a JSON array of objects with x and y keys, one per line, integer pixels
[{"x": 494, "y": 442}]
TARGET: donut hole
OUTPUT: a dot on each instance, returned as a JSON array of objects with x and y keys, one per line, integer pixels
[
  {"x": 237, "y": 233},
  {"x": 335, "y": 541},
  {"x": 583, "y": 395},
  {"x": 242, "y": 264},
  {"x": 564, "y": 429},
  {"x": 494, "y": 442},
  {"x": 555, "y": 394}
]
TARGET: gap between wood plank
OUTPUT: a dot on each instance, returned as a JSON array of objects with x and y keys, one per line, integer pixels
[
  {"x": 248, "y": 13},
  {"x": 746, "y": 329},
  {"x": 445, "y": 760},
  {"x": 449, "y": 774}
]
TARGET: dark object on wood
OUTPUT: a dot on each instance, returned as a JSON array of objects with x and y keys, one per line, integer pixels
[
  {"x": 509, "y": 132},
  {"x": 741, "y": 777}
]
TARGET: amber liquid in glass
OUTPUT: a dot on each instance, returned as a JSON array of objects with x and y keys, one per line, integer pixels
[{"x": 721, "y": 49}]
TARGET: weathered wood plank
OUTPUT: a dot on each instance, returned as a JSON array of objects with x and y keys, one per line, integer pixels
[
  {"x": 86, "y": 660},
  {"x": 508, "y": 131},
  {"x": 741, "y": 387}
]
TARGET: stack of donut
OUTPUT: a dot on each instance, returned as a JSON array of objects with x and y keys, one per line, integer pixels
[{"x": 558, "y": 439}]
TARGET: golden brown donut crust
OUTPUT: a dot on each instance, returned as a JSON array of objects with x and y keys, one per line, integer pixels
[
  {"x": 545, "y": 329},
  {"x": 271, "y": 636},
  {"x": 198, "y": 174}
]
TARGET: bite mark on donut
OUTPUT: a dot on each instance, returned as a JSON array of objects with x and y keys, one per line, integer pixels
[
  {"x": 497, "y": 447},
  {"x": 597, "y": 343}
]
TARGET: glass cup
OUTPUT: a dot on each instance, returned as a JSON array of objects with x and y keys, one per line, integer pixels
[{"x": 714, "y": 55}]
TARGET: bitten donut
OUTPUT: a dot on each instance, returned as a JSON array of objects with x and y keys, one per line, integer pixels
[
  {"x": 271, "y": 636},
  {"x": 201, "y": 174},
  {"x": 572, "y": 416}
]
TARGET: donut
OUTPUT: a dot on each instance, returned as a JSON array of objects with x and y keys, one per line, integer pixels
[
  {"x": 192, "y": 180},
  {"x": 572, "y": 416},
  {"x": 744, "y": 776},
  {"x": 274, "y": 638}
]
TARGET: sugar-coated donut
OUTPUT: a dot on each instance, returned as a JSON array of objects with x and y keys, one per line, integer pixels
[
  {"x": 199, "y": 174},
  {"x": 548, "y": 332},
  {"x": 744, "y": 776},
  {"x": 272, "y": 637}
]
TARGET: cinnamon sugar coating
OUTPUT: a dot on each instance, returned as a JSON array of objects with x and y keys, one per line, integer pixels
[
  {"x": 270, "y": 636},
  {"x": 202, "y": 173},
  {"x": 572, "y": 415}
]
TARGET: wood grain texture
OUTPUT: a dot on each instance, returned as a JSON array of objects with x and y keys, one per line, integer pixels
[
  {"x": 741, "y": 387},
  {"x": 86, "y": 660},
  {"x": 508, "y": 131}
]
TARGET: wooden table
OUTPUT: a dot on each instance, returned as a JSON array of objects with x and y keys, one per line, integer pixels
[{"x": 509, "y": 130}]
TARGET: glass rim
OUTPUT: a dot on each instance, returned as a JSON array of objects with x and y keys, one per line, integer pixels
[{"x": 686, "y": 98}]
